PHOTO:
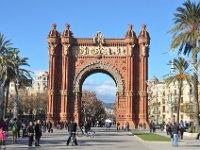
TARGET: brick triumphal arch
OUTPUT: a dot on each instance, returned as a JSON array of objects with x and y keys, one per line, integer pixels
[{"x": 72, "y": 60}]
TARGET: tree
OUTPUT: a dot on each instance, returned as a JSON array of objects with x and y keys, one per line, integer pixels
[
  {"x": 180, "y": 74},
  {"x": 186, "y": 35},
  {"x": 33, "y": 103},
  {"x": 4, "y": 65},
  {"x": 92, "y": 107},
  {"x": 21, "y": 76},
  {"x": 10, "y": 70}
]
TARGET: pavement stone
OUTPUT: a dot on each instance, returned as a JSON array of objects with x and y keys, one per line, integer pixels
[{"x": 104, "y": 139}]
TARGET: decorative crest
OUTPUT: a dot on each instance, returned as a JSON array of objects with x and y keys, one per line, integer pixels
[{"x": 98, "y": 39}]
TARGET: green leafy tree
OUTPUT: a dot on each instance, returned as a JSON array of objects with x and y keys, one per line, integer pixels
[{"x": 186, "y": 35}]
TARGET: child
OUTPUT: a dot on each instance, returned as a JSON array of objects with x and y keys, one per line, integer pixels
[{"x": 2, "y": 138}]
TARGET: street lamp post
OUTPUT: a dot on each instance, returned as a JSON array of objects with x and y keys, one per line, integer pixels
[
  {"x": 16, "y": 102},
  {"x": 170, "y": 103}
]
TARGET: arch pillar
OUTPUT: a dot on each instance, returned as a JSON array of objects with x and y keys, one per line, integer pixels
[{"x": 77, "y": 106}]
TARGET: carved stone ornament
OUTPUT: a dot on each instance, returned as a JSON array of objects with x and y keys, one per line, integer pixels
[
  {"x": 52, "y": 48},
  {"x": 145, "y": 50},
  {"x": 131, "y": 49},
  {"x": 96, "y": 50},
  {"x": 66, "y": 49}
]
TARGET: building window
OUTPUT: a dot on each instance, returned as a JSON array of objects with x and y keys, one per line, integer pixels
[
  {"x": 163, "y": 109},
  {"x": 181, "y": 99},
  {"x": 174, "y": 109},
  {"x": 174, "y": 92},
  {"x": 164, "y": 93},
  {"x": 163, "y": 101},
  {"x": 181, "y": 117},
  {"x": 190, "y": 91},
  {"x": 181, "y": 92},
  {"x": 163, "y": 117},
  {"x": 182, "y": 109}
]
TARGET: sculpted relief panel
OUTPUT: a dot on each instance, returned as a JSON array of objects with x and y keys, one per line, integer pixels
[{"x": 97, "y": 50}]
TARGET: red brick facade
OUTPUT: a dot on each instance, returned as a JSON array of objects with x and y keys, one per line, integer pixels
[{"x": 72, "y": 60}]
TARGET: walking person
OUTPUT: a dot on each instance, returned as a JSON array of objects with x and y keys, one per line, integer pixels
[
  {"x": 118, "y": 126},
  {"x": 154, "y": 127},
  {"x": 2, "y": 138},
  {"x": 167, "y": 128},
  {"x": 151, "y": 127},
  {"x": 66, "y": 125},
  {"x": 30, "y": 131},
  {"x": 175, "y": 131},
  {"x": 170, "y": 131},
  {"x": 38, "y": 133},
  {"x": 49, "y": 126},
  {"x": 23, "y": 129},
  {"x": 14, "y": 131},
  {"x": 18, "y": 128},
  {"x": 72, "y": 128},
  {"x": 182, "y": 130},
  {"x": 127, "y": 126}
]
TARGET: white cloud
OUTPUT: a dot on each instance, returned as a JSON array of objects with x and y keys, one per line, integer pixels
[{"x": 106, "y": 90}]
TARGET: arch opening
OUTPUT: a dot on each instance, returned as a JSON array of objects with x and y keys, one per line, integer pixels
[
  {"x": 99, "y": 67},
  {"x": 98, "y": 98}
]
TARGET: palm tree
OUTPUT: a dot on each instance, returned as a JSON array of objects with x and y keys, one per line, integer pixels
[
  {"x": 4, "y": 60},
  {"x": 186, "y": 35},
  {"x": 10, "y": 70},
  {"x": 22, "y": 77},
  {"x": 180, "y": 67}
]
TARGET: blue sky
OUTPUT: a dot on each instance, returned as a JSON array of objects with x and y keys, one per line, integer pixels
[{"x": 27, "y": 23}]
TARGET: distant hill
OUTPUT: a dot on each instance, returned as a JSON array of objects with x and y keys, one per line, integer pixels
[{"x": 108, "y": 105}]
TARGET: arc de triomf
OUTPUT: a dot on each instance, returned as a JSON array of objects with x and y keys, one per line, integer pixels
[{"x": 72, "y": 60}]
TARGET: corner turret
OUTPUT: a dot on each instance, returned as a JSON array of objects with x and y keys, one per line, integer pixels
[
  {"x": 130, "y": 35},
  {"x": 53, "y": 36},
  {"x": 67, "y": 32},
  {"x": 67, "y": 35},
  {"x": 144, "y": 41},
  {"x": 144, "y": 37},
  {"x": 53, "y": 33}
]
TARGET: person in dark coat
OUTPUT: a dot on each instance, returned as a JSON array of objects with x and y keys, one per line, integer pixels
[
  {"x": 175, "y": 131},
  {"x": 49, "y": 126},
  {"x": 38, "y": 133},
  {"x": 182, "y": 130},
  {"x": 151, "y": 126},
  {"x": 72, "y": 128},
  {"x": 18, "y": 128},
  {"x": 30, "y": 131},
  {"x": 170, "y": 130}
]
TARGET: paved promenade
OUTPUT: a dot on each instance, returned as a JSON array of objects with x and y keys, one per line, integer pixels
[{"x": 103, "y": 140}]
